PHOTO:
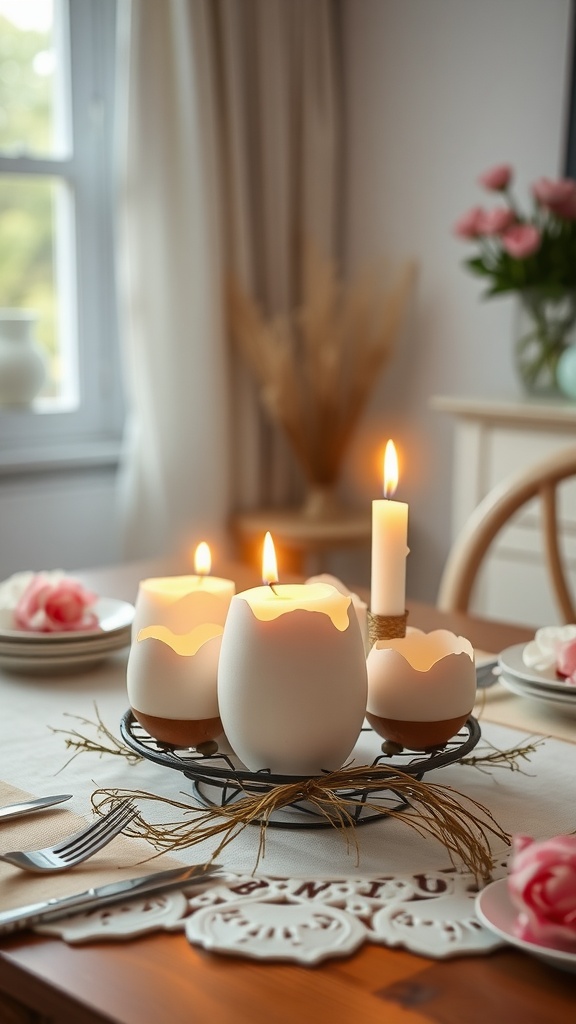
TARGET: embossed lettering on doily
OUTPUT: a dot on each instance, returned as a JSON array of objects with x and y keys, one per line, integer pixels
[{"x": 431, "y": 913}]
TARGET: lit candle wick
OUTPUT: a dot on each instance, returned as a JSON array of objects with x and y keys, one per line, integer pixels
[
  {"x": 269, "y": 565},
  {"x": 202, "y": 563}
]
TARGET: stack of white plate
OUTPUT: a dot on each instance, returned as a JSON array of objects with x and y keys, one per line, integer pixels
[
  {"x": 50, "y": 653},
  {"x": 530, "y": 682}
]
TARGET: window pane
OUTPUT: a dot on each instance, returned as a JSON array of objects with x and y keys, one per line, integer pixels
[
  {"x": 31, "y": 86},
  {"x": 33, "y": 261}
]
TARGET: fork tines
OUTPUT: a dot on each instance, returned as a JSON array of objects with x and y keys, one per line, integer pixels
[{"x": 108, "y": 826}]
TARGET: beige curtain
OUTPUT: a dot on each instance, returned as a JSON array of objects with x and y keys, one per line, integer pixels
[{"x": 230, "y": 160}]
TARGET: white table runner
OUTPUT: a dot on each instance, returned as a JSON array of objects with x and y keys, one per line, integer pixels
[{"x": 535, "y": 799}]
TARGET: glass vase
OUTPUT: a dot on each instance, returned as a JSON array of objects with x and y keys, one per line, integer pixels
[{"x": 546, "y": 326}]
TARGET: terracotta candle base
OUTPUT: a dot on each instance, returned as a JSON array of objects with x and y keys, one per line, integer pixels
[
  {"x": 416, "y": 735},
  {"x": 179, "y": 732}
]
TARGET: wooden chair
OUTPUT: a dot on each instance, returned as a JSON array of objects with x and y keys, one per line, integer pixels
[{"x": 540, "y": 481}]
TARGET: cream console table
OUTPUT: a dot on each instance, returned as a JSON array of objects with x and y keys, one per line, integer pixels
[{"x": 495, "y": 438}]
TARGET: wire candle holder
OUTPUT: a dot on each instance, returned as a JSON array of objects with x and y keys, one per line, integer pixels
[{"x": 219, "y": 779}]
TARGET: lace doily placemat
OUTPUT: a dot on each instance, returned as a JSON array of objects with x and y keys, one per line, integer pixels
[{"x": 303, "y": 920}]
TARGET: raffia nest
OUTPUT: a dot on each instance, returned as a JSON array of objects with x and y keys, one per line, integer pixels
[{"x": 462, "y": 825}]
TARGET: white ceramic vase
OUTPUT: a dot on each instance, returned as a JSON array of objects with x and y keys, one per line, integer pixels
[{"x": 22, "y": 366}]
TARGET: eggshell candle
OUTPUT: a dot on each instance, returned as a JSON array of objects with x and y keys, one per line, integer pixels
[
  {"x": 360, "y": 606},
  {"x": 292, "y": 681},
  {"x": 182, "y": 602},
  {"x": 172, "y": 683},
  {"x": 421, "y": 687}
]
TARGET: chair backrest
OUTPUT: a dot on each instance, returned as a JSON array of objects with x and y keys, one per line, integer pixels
[{"x": 541, "y": 480}]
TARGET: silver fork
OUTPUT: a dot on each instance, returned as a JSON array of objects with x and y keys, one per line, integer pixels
[{"x": 78, "y": 847}]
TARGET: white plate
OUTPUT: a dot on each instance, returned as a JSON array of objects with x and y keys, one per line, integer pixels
[
  {"x": 511, "y": 662},
  {"x": 51, "y": 666},
  {"x": 113, "y": 617},
  {"x": 550, "y": 696},
  {"x": 99, "y": 643},
  {"x": 496, "y": 911}
]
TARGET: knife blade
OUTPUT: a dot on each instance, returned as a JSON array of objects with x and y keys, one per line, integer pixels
[
  {"x": 19, "y": 810},
  {"x": 91, "y": 899}
]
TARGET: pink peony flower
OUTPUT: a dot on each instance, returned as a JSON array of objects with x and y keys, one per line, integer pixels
[
  {"x": 468, "y": 226},
  {"x": 521, "y": 240},
  {"x": 494, "y": 222},
  {"x": 557, "y": 196},
  {"x": 542, "y": 885},
  {"x": 51, "y": 605},
  {"x": 497, "y": 178}
]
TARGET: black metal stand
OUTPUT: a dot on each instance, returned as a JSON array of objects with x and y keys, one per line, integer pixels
[{"x": 219, "y": 778}]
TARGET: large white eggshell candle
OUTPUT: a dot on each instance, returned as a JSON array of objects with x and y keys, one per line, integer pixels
[
  {"x": 421, "y": 687},
  {"x": 360, "y": 606},
  {"x": 172, "y": 683},
  {"x": 292, "y": 681}
]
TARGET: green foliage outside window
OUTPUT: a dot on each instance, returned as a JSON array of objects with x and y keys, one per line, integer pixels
[{"x": 27, "y": 203}]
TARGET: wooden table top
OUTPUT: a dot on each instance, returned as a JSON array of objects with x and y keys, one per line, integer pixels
[{"x": 161, "y": 977}]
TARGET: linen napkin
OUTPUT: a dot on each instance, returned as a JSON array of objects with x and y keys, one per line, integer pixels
[{"x": 122, "y": 858}]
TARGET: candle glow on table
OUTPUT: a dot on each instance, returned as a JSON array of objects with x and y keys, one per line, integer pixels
[
  {"x": 292, "y": 682},
  {"x": 389, "y": 544}
]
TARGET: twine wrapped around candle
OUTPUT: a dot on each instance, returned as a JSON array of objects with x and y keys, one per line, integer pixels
[{"x": 386, "y": 627}]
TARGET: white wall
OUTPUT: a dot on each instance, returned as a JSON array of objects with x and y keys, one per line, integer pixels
[
  {"x": 439, "y": 91},
  {"x": 63, "y": 520}
]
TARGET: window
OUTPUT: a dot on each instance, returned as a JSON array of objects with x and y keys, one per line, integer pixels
[{"x": 57, "y": 63}]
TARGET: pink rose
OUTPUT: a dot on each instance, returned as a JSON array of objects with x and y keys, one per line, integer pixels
[
  {"x": 566, "y": 660},
  {"x": 557, "y": 196},
  {"x": 542, "y": 885},
  {"x": 468, "y": 226},
  {"x": 497, "y": 178},
  {"x": 494, "y": 222},
  {"x": 51, "y": 606},
  {"x": 521, "y": 240}
]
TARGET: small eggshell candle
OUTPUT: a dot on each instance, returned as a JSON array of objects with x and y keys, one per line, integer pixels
[
  {"x": 421, "y": 687},
  {"x": 172, "y": 683},
  {"x": 183, "y": 602},
  {"x": 292, "y": 680}
]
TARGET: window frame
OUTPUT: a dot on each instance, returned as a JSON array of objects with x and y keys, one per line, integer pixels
[{"x": 41, "y": 436}]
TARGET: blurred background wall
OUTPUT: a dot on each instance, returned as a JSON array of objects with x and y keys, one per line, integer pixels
[{"x": 436, "y": 92}]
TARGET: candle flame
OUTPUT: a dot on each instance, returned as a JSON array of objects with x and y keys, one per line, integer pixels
[
  {"x": 390, "y": 470},
  {"x": 202, "y": 559},
  {"x": 269, "y": 564}
]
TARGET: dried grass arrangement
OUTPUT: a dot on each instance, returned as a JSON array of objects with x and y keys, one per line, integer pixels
[
  {"x": 316, "y": 365},
  {"x": 462, "y": 825}
]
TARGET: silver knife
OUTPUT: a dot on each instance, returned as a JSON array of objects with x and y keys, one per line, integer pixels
[
  {"x": 19, "y": 810},
  {"x": 91, "y": 899}
]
